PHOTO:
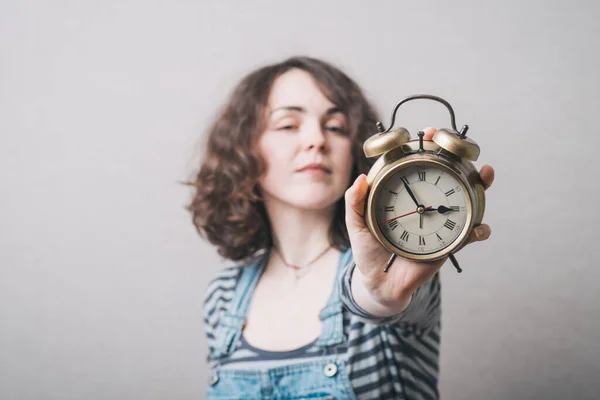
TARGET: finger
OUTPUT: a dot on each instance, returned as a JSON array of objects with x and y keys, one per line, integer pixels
[
  {"x": 429, "y": 132},
  {"x": 480, "y": 233},
  {"x": 355, "y": 203},
  {"x": 487, "y": 175}
]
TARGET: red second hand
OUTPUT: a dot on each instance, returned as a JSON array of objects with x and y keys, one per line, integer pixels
[{"x": 391, "y": 219}]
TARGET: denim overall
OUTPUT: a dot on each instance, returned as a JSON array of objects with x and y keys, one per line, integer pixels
[{"x": 324, "y": 378}]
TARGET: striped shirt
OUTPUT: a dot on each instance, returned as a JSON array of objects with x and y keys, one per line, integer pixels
[{"x": 392, "y": 357}]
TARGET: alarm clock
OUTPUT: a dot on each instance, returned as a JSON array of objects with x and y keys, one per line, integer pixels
[{"x": 425, "y": 196}]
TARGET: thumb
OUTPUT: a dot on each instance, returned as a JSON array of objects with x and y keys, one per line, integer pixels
[{"x": 355, "y": 198}]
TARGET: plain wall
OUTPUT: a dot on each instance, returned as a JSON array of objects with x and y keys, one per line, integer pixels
[{"x": 102, "y": 109}]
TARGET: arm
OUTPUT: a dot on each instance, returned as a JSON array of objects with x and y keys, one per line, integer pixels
[
  {"x": 420, "y": 312},
  {"x": 368, "y": 302}
]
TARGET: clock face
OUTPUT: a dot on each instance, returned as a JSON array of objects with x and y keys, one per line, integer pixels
[{"x": 421, "y": 209}]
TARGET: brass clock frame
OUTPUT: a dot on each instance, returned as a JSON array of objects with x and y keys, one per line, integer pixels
[
  {"x": 449, "y": 150},
  {"x": 407, "y": 155}
]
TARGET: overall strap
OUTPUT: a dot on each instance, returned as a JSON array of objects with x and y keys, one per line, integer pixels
[
  {"x": 232, "y": 321},
  {"x": 332, "y": 322}
]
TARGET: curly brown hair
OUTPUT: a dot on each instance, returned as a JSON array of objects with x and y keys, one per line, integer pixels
[{"x": 227, "y": 207}]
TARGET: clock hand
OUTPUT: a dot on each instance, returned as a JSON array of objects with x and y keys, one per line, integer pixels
[
  {"x": 404, "y": 215},
  {"x": 421, "y": 219},
  {"x": 440, "y": 209},
  {"x": 443, "y": 209},
  {"x": 412, "y": 196}
]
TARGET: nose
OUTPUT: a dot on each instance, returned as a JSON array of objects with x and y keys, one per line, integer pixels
[{"x": 314, "y": 137}]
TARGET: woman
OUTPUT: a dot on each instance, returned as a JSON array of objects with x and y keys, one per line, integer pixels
[{"x": 308, "y": 311}]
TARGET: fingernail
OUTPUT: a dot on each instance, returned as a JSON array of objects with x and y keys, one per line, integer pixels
[{"x": 479, "y": 232}]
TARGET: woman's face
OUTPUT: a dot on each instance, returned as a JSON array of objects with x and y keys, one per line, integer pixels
[{"x": 303, "y": 127}]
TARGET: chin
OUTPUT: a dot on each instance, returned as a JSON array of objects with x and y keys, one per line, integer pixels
[
  {"x": 314, "y": 201},
  {"x": 310, "y": 197}
]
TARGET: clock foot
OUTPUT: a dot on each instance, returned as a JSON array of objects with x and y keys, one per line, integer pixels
[
  {"x": 389, "y": 263},
  {"x": 455, "y": 263}
]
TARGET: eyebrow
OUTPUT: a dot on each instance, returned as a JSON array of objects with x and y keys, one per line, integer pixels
[{"x": 330, "y": 111}]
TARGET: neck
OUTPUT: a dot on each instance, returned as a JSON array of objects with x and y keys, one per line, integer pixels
[{"x": 299, "y": 234}]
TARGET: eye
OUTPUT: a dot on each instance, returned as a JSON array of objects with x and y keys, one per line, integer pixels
[
  {"x": 337, "y": 129},
  {"x": 335, "y": 123},
  {"x": 286, "y": 123},
  {"x": 286, "y": 128}
]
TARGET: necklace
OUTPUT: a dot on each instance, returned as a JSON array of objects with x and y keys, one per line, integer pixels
[{"x": 300, "y": 271}]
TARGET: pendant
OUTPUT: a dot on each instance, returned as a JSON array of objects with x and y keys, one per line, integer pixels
[{"x": 299, "y": 272}]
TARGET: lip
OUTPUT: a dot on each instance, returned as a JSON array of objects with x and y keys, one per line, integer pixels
[{"x": 315, "y": 167}]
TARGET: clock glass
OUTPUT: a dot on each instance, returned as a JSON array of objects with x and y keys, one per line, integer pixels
[{"x": 421, "y": 209}]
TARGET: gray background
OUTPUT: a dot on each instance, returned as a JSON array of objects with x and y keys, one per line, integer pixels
[{"x": 102, "y": 107}]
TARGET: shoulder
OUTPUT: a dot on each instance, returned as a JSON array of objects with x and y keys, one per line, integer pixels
[
  {"x": 217, "y": 297},
  {"x": 221, "y": 287}
]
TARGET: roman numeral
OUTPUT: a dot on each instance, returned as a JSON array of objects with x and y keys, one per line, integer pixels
[
  {"x": 422, "y": 175},
  {"x": 449, "y": 192},
  {"x": 389, "y": 208},
  {"x": 438, "y": 179},
  {"x": 421, "y": 241},
  {"x": 392, "y": 192},
  {"x": 450, "y": 224},
  {"x": 393, "y": 224},
  {"x": 438, "y": 236},
  {"x": 405, "y": 236},
  {"x": 454, "y": 208}
]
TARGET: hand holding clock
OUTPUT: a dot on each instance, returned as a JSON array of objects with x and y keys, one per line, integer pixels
[{"x": 393, "y": 290}]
